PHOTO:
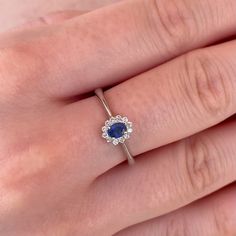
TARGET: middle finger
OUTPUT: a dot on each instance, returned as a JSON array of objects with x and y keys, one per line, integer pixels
[{"x": 108, "y": 45}]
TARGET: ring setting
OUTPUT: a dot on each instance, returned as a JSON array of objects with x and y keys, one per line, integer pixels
[{"x": 117, "y": 129}]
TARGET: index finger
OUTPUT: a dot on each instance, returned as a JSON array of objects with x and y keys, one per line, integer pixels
[{"x": 114, "y": 43}]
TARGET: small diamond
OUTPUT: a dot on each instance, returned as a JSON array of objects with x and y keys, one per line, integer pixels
[
  {"x": 129, "y": 124},
  {"x": 115, "y": 141},
  {"x": 122, "y": 140},
  {"x": 109, "y": 140},
  {"x": 130, "y": 130}
]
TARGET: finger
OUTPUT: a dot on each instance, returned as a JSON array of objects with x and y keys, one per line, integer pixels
[
  {"x": 166, "y": 104},
  {"x": 212, "y": 216},
  {"x": 167, "y": 179},
  {"x": 114, "y": 43},
  {"x": 50, "y": 19}
]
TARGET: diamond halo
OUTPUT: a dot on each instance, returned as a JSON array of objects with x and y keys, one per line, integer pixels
[{"x": 114, "y": 121}]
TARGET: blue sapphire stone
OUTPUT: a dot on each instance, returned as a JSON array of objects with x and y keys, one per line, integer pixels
[{"x": 117, "y": 130}]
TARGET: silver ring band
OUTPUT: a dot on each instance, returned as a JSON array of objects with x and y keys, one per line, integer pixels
[{"x": 116, "y": 120}]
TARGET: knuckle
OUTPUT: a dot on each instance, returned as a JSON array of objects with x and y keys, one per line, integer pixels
[
  {"x": 204, "y": 166},
  {"x": 223, "y": 223},
  {"x": 20, "y": 64},
  {"x": 174, "y": 19},
  {"x": 208, "y": 84}
]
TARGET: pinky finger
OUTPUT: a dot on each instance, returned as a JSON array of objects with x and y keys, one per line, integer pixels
[{"x": 211, "y": 216}]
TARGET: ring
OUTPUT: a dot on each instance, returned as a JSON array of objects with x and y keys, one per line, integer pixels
[{"x": 117, "y": 129}]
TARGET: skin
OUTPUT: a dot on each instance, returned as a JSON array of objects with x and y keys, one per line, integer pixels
[
  {"x": 58, "y": 177},
  {"x": 16, "y": 12}
]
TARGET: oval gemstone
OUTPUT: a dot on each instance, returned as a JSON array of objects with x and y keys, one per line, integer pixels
[{"x": 117, "y": 130}]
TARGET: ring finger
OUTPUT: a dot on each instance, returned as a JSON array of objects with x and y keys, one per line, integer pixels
[{"x": 168, "y": 103}]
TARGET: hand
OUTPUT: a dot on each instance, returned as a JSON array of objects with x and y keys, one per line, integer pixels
[{"x": 59, "y": 177}]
